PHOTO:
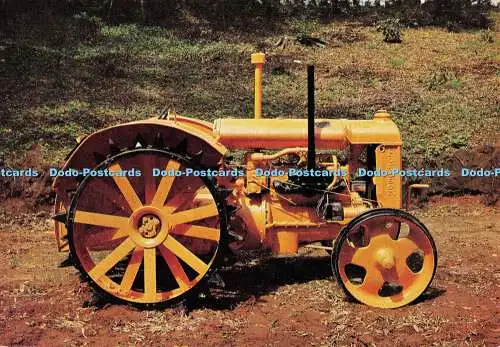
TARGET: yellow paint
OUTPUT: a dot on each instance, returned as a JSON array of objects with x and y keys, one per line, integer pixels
[
  {"x": 384, "y": 259},
  {"x": 267, "y": 218},
  {"x": 258, "y": 59},
  {"x": 284, "y": 133},
  {"x": 389, "y": 187}
]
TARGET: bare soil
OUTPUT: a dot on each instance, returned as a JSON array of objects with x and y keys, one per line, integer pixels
[{"x": 266, "y": 301}]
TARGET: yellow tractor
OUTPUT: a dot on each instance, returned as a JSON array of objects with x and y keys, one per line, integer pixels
[{"x": 148, "y": 208}]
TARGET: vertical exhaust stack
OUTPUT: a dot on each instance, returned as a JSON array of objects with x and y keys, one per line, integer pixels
[{"x": 311, "y": 148}]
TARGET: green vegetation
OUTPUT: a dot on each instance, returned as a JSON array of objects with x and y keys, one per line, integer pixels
[
  {"x": 487, "y": 36},
  {"x": 391, "y": 30},
  {"x": 64, "y": 77}
]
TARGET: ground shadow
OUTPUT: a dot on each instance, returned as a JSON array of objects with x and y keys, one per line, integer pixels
[
  {"x": 255, "y": 279},
  {"x": 430, "y": 294},
  {"x": 248, "y": 281}
]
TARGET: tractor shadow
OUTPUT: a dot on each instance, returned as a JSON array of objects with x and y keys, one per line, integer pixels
[
  {"x": 430, "y": 294},
  {"x": 248, "y": 281}
]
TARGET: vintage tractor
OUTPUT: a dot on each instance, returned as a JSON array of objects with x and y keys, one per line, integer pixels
[{"x": 148, "y": 208}]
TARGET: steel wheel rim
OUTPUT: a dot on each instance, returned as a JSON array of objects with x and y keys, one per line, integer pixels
[
  {"x": 60, "y": 231},
  {"x": 142, "y": 254},
  {"x": 374, "y": 257}
]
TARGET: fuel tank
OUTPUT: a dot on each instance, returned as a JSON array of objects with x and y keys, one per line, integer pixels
[{"x": 272, "y": 133}]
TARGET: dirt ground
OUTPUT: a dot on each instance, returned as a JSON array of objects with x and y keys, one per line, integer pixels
[{"x": 266, "y": 302}]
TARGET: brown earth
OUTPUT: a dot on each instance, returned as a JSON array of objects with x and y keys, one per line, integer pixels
[
  {"x": 482, "y": 157},
  {"x": 266, "y": 302}
]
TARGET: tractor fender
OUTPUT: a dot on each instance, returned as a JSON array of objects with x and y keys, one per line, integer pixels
[{"x": 194, "y": 136}]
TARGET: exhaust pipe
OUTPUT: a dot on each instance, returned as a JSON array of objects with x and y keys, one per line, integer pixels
[{"x": 311, "y": 149}]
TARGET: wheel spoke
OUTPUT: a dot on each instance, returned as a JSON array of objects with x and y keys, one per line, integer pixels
[
  {"x": 132, "y": 269},
  {"x": 404, "y": 275},
  {"x": 106, "y": 238},
  {"x": 185, "y": 254},
  {"x": 194, "y": 214},
  {"x": 373, "y": 280},
  {"x": 175, "y": 267},
  {"x": 197, "y": 231},
  {"x": 405, "y": 247},
  {"x": 150, "y": 273},
  {"x": 108, "y": 194},
  {"x": 112, "y": 259},
  {"x": 102, "y": 220},
  {"x": 126, "y": 188},
  {"x": 165, "y": 184},
  {"x": 362, "y": 255},
  {"x": 149, "y": 180},
  {"x": 373, "y": 228},
  {"x": 346, "y": 254}
]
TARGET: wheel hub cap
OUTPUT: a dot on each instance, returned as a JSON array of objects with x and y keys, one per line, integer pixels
[
  {"x": 385, "y": 258},
  {"x": 150, "y": 226}
]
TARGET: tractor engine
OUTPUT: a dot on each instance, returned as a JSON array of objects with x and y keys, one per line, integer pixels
[{"x": 286, "y": 199}]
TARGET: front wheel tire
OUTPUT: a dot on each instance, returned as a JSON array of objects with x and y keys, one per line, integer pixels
[{"x": 384, "y": 258}]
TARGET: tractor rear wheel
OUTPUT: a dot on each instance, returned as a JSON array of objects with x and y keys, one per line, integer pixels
[
  {"x": 384, "y": 258},
  {"x": 145, "y": 239}
]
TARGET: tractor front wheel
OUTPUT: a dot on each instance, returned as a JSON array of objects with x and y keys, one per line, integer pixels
[{"x": 384, "y": 258}]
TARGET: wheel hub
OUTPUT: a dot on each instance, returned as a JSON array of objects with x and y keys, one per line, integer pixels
[
  {"x": 150, "y": 226},
  {"x": 385, "y": 258}
]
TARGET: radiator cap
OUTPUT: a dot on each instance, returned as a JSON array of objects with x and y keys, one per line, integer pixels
[{"x": 382, "y": 114}]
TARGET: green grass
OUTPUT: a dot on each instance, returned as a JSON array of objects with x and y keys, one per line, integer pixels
[
  {"x": 68, "y": 77},
  {"x": 396, "y": 62}
]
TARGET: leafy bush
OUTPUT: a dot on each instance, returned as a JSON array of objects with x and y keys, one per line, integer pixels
[
  {"x": 391, "y": 29},
  {"x": 304, "y": 28},
  {"x": 262, "y": 15},
  {"x": 458, "y": 14},
  {"x": 89, "y": 27},
  {"x": 458, "y": 140}
]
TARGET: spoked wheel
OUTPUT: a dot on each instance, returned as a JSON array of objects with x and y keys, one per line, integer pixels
[
  {"x": 145, "y": 239},
  {"x": 384, "y": 258}
]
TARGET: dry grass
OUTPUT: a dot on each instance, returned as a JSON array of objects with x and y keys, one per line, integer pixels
[{"x": 441, "y": 87}]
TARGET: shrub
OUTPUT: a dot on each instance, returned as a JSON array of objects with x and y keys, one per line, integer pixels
[
  {"x": 304, "y": 28},
  {"x": 88, "y": 27},
  {"x": 391, "y": 30},
  {"x": 458, "y": 14}
]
